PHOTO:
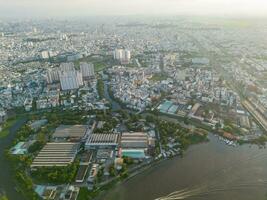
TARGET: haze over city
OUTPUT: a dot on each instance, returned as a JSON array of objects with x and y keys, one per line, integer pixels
[
  {"x": 80, "y": 8},
  {"x": 133, "y": 99}
]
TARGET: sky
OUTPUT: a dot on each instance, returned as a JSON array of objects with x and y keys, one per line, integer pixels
[{"x": 68, "y": 8}]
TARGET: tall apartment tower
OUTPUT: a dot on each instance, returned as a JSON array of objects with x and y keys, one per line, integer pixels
[
  {"x": 69, "y": 80},
  {"x": 124, "y": 56},
  {"x": 118, "y": 53},
  {"x": 87, "y": 69},
  {"x": 66, "y": 74}
]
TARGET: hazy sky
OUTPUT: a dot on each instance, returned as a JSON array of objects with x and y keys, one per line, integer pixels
[{"x": 54, "y": 8}]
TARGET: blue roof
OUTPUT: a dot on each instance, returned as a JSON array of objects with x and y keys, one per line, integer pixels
[
  {"x": 165, "y": 106},
  {"x": 40, "y": 189},
  {"x": 18, "y": 149},
  {"x": 134, "y": 153}
]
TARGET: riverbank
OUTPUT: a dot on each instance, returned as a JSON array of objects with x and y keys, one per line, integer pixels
[
  {"x": 118, "y": 181},
  {"x": 233, "y": 171},
  {"x": 7, "y": 125},
  {"x": 7, "y": 178}
]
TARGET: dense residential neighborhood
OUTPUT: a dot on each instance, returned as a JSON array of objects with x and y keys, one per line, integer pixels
[{"x": 93, "y": 105}]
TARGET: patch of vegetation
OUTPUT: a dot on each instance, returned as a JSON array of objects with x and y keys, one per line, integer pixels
[
  {"x": 261, "y": 141},
  {"x": 67, "y": 117},
  {"x": 100, "y": 88},
  {"x": 231, "y": 128},
  {"x": 7, "y": 125},
  {"x": 85, "y": 194},
  {"x": 23, "y": 182},
  {"x": 56, "y": 175},
  {"x": 127, "y": 160},
  {"x": 23, "y": 133},
  {"x": 36, "y": 147},
  {"x": 2, "y": 197},
  {"x": 159, "y": 77},
  {"x": 109, "y": 124},
  {"x": 26, "y": 185},
  {"x": 175, "y": 131},
  {"x": 100, "y": 61}
]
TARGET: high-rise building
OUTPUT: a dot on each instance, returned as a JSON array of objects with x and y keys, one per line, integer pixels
[
  {"x": 65, "y": 67},
  {"x": 70, "y": 80},
  {"x": 45, "y": 54},
  {"x": 118, "y": 54},
  {"x": 124, "y": 56},
  {"x": 87, "y": 70},
  {"x": 67, "y": 75}
]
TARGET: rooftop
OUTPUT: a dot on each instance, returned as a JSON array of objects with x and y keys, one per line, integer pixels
[
  {"x": 56, "y": 154},
  {"x": 103, "y": 139},
  {"x": 70, "y": 131}
]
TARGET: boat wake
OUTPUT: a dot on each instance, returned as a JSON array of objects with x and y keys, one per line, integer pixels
[
  {"x": 209, "y": 187},
  {"x": 204, "y": 191}
]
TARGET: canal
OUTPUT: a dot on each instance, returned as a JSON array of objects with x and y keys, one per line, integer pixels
[
  {"x": 114, "y": 105},
  {"x": 7, "y": 183},
  {"x": 210, "y": 170}
]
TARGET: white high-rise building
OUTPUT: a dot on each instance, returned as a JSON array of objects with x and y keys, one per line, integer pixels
[
  {"x": 87, "y": 69},
  {"x": 45, "y": 54},
  {"x": 118, "y": 53},
  {"x": 124, "y": 56},
  {"x": 52, "y": 75}
]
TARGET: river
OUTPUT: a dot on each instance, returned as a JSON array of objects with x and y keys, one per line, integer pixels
[
  {"x": 7, "y": 183},
  {"x": 210, "y": 170}
]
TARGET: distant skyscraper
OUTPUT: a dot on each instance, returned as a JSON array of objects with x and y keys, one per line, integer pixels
[
  {"x": 45, "y": 54},
  {"x": 87, "y": 70},
  {"x": 124, "y": 56},
  {"x": 118, "y": 54}
]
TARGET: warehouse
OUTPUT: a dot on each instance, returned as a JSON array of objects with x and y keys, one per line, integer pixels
[
  {"x": 64, "y": 132},
  {"x": 109, "y": 140},
  {"x": 134, "y": 140},
  {"x": 56, "y": 154}
]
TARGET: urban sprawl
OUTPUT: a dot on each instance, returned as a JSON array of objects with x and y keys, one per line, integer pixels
[{"x": 102, "y": 101}]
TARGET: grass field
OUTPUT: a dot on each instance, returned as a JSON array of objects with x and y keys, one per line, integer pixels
[
  {"x": 100, "y": 62},
  {"x": 158, "y": 77}
]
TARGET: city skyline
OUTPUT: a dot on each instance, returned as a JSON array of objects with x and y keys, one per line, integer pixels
[{"x": 83, "y": 8}]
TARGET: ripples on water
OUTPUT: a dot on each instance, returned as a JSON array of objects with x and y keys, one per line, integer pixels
[{"x": 211, "y": 171}]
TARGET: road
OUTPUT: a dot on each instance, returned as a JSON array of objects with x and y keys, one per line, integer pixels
[{"x": 229, "y": 78}]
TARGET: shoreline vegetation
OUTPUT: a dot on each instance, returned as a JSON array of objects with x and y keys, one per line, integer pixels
[
  {"x": 5, "y": 128},
  {"x": 25, "y": 180},
  {"x": 3, "y": 197},
  {"x": 98, "y": 193},
  {"x": 169, "y": 128}
]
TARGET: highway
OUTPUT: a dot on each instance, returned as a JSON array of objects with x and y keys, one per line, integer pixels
[{"x": 256, "y": 114}]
